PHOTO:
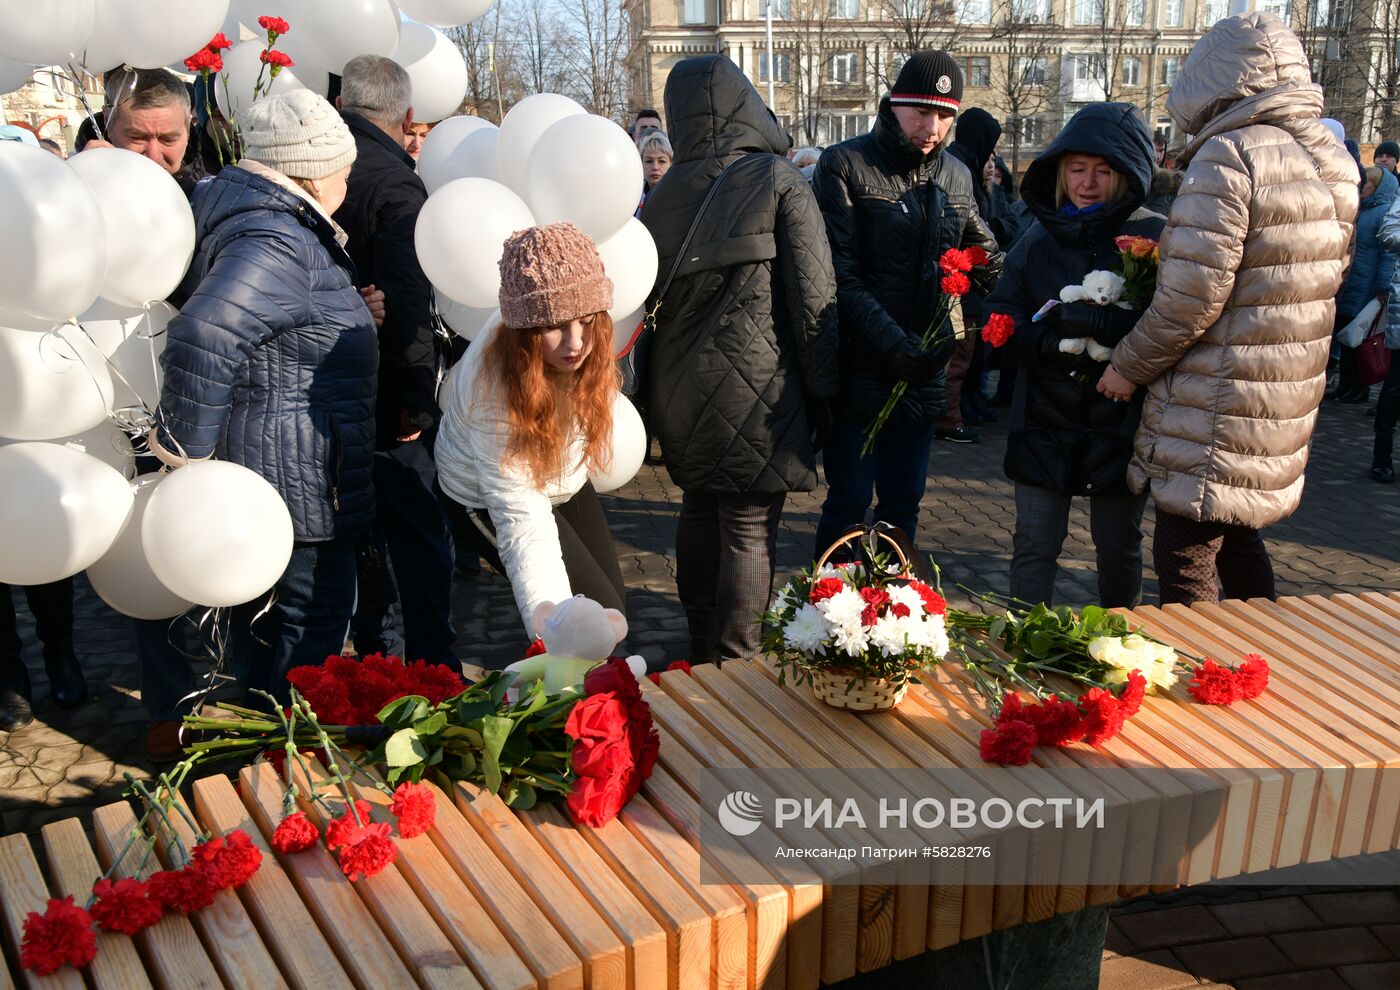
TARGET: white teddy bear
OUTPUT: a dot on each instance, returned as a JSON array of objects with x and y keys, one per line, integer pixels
[
  {"x": 578, "y": 634},
  {"x": 1099, "y": 288}
]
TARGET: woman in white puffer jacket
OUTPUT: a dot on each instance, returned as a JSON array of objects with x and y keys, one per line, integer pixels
[{"x": 530, "y": 414}]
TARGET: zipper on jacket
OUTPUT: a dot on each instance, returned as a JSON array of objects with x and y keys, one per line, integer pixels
[
  {"x": 887, "y": 199},
  {"x": 336, "y": 463}
]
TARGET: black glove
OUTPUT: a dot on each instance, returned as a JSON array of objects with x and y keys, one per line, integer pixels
[
  {"x": 912, "y": 365},
  {"x": 819, "y": 421},
  {"x": 1105, "y": 324}
]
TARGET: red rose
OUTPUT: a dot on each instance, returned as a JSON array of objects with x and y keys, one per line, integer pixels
[
  {"x": 1212, "y": 684},
  {"x": 338, "y": 829},
  {"x": 999, "y": 329},
  {"x": 900, "y": 611},
  {"x": 612, "y": 677},
  {"x": 229, "y": 861},
  {"x": 415, "y": 807},
  {"x": 604, "y": 758},
  {"x": 124, "y": 906},
  {"x": 824, "y": 588},
  {"x": 294, "y": 834},
  {"x": 1010, "y": 743},
  {"x": 219, "y": 42},
  {"x": 956, "y": 284},
  {"x": 1252, "y": 676},
  {"x": 954, "y": 260},
  {"x": 1103, "y": 716},
  {"x": 976, "y": 255},
  {"x": 367, "y": 851},
  {"x": 273, "y": 25},
  {"x": 597, "y": 717},
  {"x": 61, "y": 936},
  {"x": 596, "y": 801},
  {"x": 646, "y": 759},
  {"x": 184, "y": 890}
]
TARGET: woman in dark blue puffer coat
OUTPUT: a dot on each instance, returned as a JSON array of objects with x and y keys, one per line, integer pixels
[{"x": 271, "y": 364}]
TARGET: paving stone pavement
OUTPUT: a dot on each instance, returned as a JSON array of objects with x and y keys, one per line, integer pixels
[{"x": 1344, "y": 538}]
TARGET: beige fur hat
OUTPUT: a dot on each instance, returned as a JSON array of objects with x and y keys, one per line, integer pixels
[{"x": 551, "y": 275}]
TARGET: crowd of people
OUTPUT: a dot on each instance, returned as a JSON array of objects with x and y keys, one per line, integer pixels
[{"x": 793, "y": 296}]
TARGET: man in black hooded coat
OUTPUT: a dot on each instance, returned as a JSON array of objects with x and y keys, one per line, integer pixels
[{"x": 743, "y": 359}]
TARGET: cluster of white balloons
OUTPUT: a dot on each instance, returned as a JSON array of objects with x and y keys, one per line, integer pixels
[
  {"x": 549, "y": 161},
  {"x": 93, "y": 245}
]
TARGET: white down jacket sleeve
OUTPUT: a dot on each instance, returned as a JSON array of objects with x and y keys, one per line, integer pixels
[{"x": 471, "y": 466}]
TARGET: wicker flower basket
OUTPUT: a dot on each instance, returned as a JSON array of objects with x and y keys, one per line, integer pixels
[{"x": 841, "y": 688}]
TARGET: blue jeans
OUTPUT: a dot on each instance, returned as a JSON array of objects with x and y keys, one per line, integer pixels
[
  {"x": 896, "y": 470},
  {"x": 308, "y": 621},
  {"x": 414, "y": 536}
]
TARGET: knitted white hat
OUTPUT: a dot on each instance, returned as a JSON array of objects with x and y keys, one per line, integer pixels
[{"x": 297, "y": 133}]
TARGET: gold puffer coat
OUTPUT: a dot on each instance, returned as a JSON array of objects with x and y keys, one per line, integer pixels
[{"x": 1233, "y": 349}]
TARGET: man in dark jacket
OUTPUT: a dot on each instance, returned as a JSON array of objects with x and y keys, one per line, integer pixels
[
  {"x": 745, "y": 349},
  {"x": 894, "y": 201},
  {"x": 380, "y": 212}
]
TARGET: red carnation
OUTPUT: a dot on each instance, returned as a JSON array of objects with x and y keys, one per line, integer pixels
[
  {"x": 934, "y": 603},
  {"x": 338, "y": 829},
  {"x": 205, "y": 60},
  {"x": 273, "y": 25},
  {"x": 230, "y": 860},
  {"x": 367, "y": 851},
  {"x": 954, "y": 260},
  {"x": 1057, "y": 722},
  {"x": 976, "y": 255},
  {"x": 184, "y": 890},
  {"x": 125, "y": 906},
  {"x": 683, "y": 665},
  {"x": 1009, "y": 744},
  {"x": 219, "y": 42},
  {"x": 1252, "y": 676},
  {"x": 294, "y": 834},
  {"x": 278, "y": 60},
  {"x": 1133, "y": 693},
  {"x": 999, "y": 329},
  {"x": 1212, "y": 684},
  {"x": 956, "y": 284},
  {"x": 535, "y": 649},
  {"x": 1103, "y": 716},
  {"x": 61, "y": 936},
  {"x": 415, "y": 807},
  {"x": 824, "y": 588}
]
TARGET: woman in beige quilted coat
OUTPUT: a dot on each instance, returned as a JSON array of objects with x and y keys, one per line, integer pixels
[{"x": 1233, "y": 349}]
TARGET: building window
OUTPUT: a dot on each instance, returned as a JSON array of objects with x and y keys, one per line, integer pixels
[
  {"x": 1215, "y": 10},
  {"x": 975, "y": 11},
  {"x": 1032, "y": 130},
  {"x": 1088, "y": 68},
  {"x": 783, "y": 66},
  {"x": 979, "y": 71},
  {"x": 782, "y": 9},
  {"x": 843, "y": 126},
  {"x": 843, "y": 68},
  {"x": 1171, "y": 13},
  {"x": 847, "y": 9},
  {"x": 1279, "y": 8},
  {"x": 1132, "y": 71},
  {"x": 1088, "y": 11},
  {"x": 1134, "y": 12},
  {"x": 1320, "y": 11},
  {"x": 912, "y": 10},
  {"x": 1170, "y": 67},
  {"x": 1032, "y": 70},
  {"x": 1030, "y": 11}
]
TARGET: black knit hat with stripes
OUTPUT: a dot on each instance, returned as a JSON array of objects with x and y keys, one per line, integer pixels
[{"x": 929, "y": 79}]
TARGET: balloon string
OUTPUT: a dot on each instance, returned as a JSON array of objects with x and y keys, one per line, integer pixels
[{"x": 214, "y": 631}]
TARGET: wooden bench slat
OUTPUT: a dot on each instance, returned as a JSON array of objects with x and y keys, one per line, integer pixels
[
  {"x": 174, "y": 955},
  {"x": 273, "y": 904},
  {"x": 73, "y": 870},
  {"x": 22, "y": 890}
]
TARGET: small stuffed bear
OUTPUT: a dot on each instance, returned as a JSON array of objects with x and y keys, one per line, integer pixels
[
  {"x": 1099, "y": 288},
  {"x": 578, "y": 634}
]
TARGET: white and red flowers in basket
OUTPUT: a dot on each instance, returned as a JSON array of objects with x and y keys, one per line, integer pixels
[{"x": 869, "y": 620}]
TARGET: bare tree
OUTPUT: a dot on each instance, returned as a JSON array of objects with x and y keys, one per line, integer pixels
[
  {"x": 909, "y": 26},
  {"x": 595, "y": 55},
  {"x": 820, "y": 32},
  {"x": 1340, "y": 56},
  {"x": 539, "y": 40},
  {"x": 483, "y": 51},
  {"x": 1114, "y": 30},
  {"x": 1025, "y": 82},
  {"x": 1381, "y": 25}
]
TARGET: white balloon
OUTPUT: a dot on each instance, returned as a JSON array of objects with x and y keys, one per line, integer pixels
[
  {"x": 629, "y": 447},
  {"x": 243, "y": 13},
  {"x": 51, "y": 384},
  {"x": 435, "y": 66},
  {"x": 132, "y": 341},
  {"x": 464, "y": 321},
  {"x": 626, "y": 329},
  {"x": 150, "y": 229},
  {"x": 216, "y": 534},
  {"x": 123, "y": 577},
  {"x": 454, "y": 150},
  {"x": 445, "y": 13},
  {"x": 461, "y": 232},
  {"x": 346, "y": 28},
  {"x": 59, "y": 511},
  {"x": 242, "y": 64},
  {"x": 14, "y": 75},
  {"x": 53, "y": 254},
  {"x": 629, "y": 258},
  {"x": 45, "y": 32},
  {"x": 586, "y": 170},
  {"x": 521, "y": 130},
  {"x": 148, "y": 34},
  {"x": 106, "y": 441}
]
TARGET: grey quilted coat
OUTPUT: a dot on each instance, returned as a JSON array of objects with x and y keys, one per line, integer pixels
[
  {"x": 746, "y": 336},
  {"x": 1234, "y": 347}
]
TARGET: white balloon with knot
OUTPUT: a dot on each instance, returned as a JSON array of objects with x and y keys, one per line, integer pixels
[{"x": 458, "y": 148}]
